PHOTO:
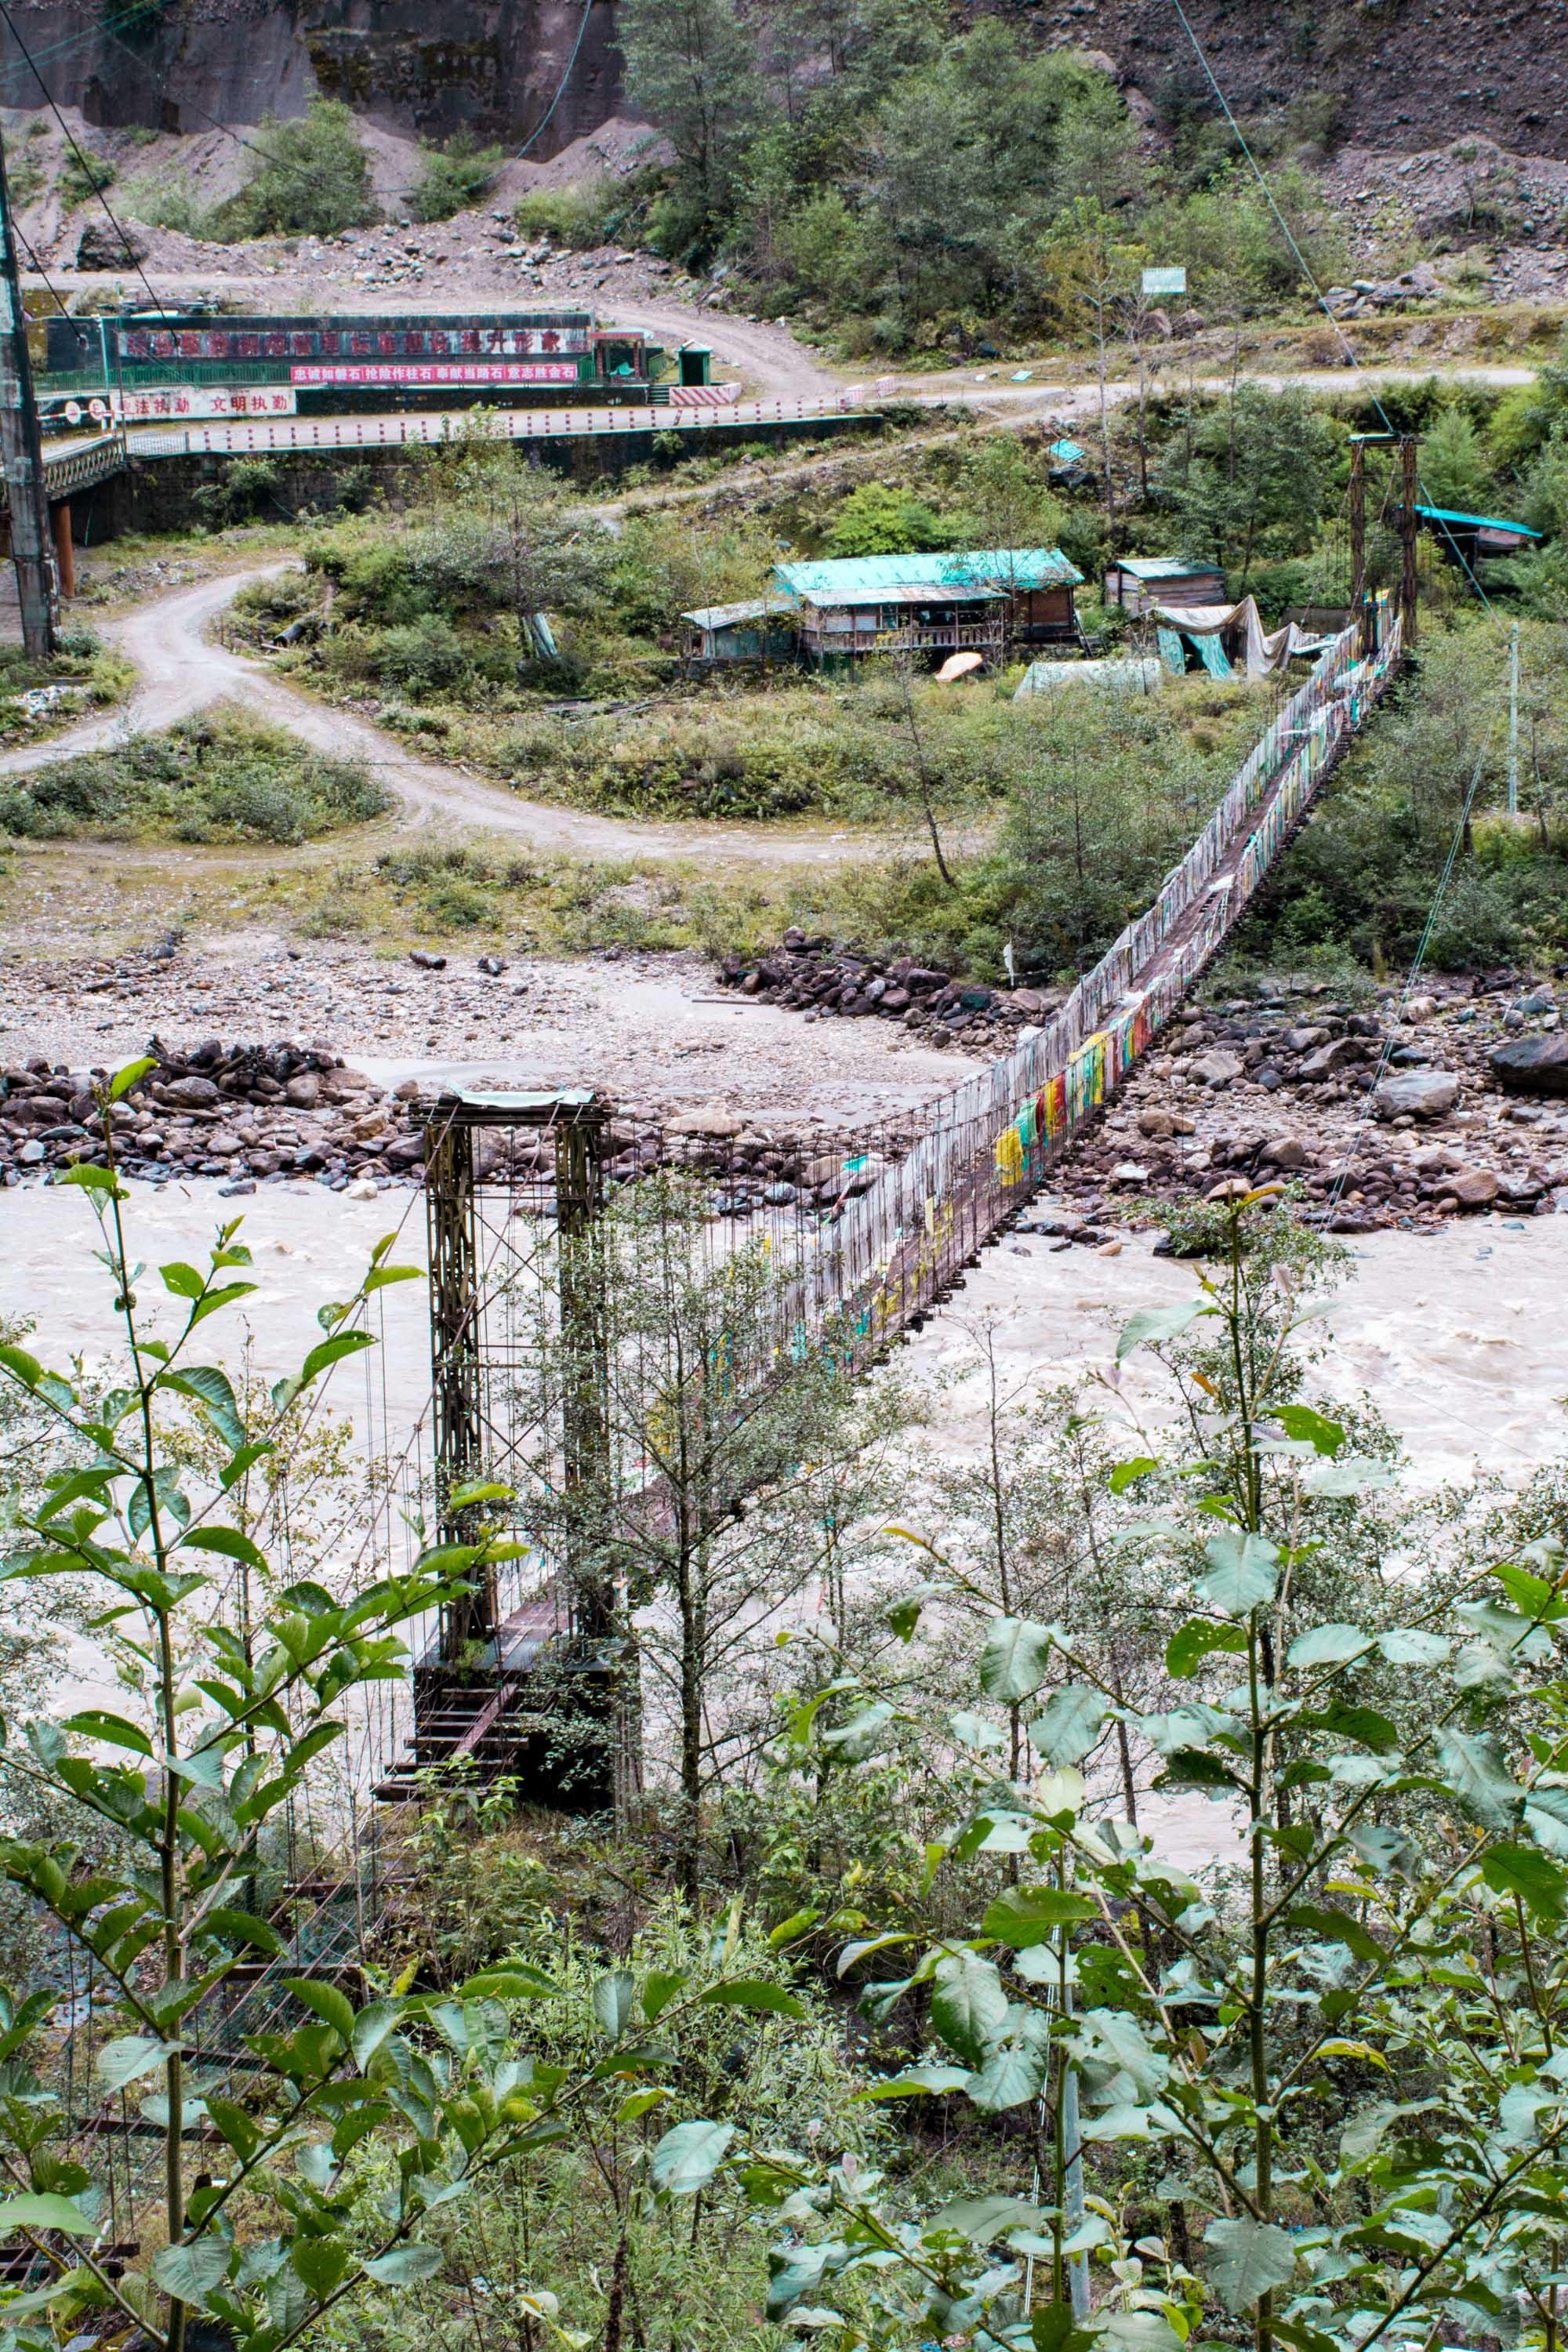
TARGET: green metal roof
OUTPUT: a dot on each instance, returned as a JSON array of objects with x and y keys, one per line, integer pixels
[
  {"x": 846, "y": 578},
  {"x": 1478, "y": 522},
  {"x": 1161, "y": 567}
]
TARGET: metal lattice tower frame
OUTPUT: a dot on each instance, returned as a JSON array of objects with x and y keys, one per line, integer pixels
[{"x": 470, "y": 1237}]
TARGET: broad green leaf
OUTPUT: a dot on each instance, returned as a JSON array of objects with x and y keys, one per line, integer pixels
[
  {"x": 1193, "y": 1642},
  {"x": 927, "y": 2082},
  {"x": 1248, "y": 2258},
  {"x": 244, "y": 1928},
  {"x": 1521, "y": 1870},
  {"x": 861, "y": 1736},
  {"x": 226, "y": 1541},
  {"x": 332, "y": 2006},
  {"x": 1118, "y": 2040},
  {"x": 659, "y": 1991},
  {"x": 1153, "y": 1324},
  {"x": 44, "y": 2211},
  {"x": 131, "y": 1074},
  {"x": 1337, "y": 1926},
  {"x": 1023, "y": 1915},
  {"x": 969, "y": 2008},
  {"x": 753, "y": 1993},
  {"x": 688, "y": 2156},
  {"x": 1244, "y": 1570},
  {"x": 1299, "y": 1422},
  {"x": 791, "y": 1930},
  {"x": 332, "y": 1352},
  {"x": 189, "y": 2273},
  {"x": 1127, "y": 1473},
  {"x": 91, "y": 1179},
  {"x": 1138, "y": 2331},
  {"x": 1013, "y": 1661},
  {"x": 183, "y": 1280},
  {"x": 121, "y": 2062},
  {"x": 518, "y": 1980},
  {"x": 1328, "y": 1646},
  {"x": 1011, "y": 2077},
  {"x": 94, "y": 1724},
  {"x": 1477, "y": 1776},
  {"x": 982, "y": 2220},
  {"x": 614, "y": 1995},
  {"x": 1071, "y": 1725},
  {"x": 1054, "y": 2329},
  {"x": 1414, "y": 1649},
  {"x": 406, "y": 2265}
]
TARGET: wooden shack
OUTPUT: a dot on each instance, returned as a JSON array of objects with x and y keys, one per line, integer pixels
[
  {"x": 763, "y": 630},
  {"x": 1136, "y": 582},
  {"x": 989, "y": 601}
]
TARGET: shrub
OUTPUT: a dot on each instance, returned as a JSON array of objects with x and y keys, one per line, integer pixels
[
  {"x": 165, "y": 203},
  {"x": 313, "y": 179},
  {"x": 875, "y": 521},
  {"x": 250, "y": 485},
  {"x": 223, "y": 777},
  {"x": 454, "y": 176},
  {"x": 584, "y": 215},
  {"x": 421, "y": 654},
  {"x": 82, "y": 175}
]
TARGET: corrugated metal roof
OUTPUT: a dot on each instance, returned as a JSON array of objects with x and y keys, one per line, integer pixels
[
  {"x": 960, "y": 591},
  {"x": 843, "y": 579},
  {"x": 1162, "y": 567},
  {"x": 1477, "y": 522},
  {"x": 729, "y": 617}
]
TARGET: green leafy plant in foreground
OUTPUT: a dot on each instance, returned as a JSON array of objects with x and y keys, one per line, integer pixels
[
  {"x": 1347, "y": 2076},
  {"x": 354, "y": 2123}
]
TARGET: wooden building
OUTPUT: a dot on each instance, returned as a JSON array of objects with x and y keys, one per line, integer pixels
[
  {"x": 1136, "y": 582},
  {"x": 764, "y": 630},
  {"x": 990, "y": 601}
]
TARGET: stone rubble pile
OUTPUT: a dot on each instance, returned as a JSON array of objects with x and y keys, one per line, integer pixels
[
  {"x": 835, "y": 985},
  {"x": 1453, "y": 1100},
  {"x": 245, "y": 1113}
]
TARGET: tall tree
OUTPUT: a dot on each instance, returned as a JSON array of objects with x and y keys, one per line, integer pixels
[{"x": 692, "y": 66}]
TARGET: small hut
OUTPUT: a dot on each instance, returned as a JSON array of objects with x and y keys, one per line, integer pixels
[
  {"x": 1137, "y": 582},
  {"x": 761, "y": 631}
]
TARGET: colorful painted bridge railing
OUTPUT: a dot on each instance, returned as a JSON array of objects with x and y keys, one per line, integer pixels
[{"x": 895, "y": 1247}]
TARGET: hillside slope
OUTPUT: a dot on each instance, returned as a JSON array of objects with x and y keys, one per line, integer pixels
[
  {"x": 1403, "y": 73},
  {"x": 491, "y": 67}
]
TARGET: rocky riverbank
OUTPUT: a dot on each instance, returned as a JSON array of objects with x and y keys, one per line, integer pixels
[{"x": 1404, "y": 1112}]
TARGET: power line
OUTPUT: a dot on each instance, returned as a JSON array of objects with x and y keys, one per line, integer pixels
[
  {"x": 1416, "y": 961},
  {"x": 85, "y": 166},
  {"x": 1305, "y": 268},
  {"x": 561, "y": 87}
]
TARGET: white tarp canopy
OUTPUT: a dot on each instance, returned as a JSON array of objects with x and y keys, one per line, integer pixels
[
  {"x": 1141, "y": 677},
  {"x": 1267, "y": 650}
]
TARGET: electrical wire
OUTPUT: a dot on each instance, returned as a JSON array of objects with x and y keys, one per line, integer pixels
[
  {"x": 87, "y": 168},
  {"x": 561, "y": 87},
  {"x": 1419, "y": 957},
  {"x": 161, "y": 81},
  {"x": 1305, "y": 268}
]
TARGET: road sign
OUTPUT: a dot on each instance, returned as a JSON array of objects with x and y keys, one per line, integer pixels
[{"x": 1164, "y": 282}]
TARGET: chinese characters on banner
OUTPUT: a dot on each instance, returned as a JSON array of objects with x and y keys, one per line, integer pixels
[{"x": 443, "y": 371}]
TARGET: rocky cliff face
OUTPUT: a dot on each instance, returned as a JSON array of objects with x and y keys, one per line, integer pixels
[
  {"x": 1403, "y": 74},
  {"x": 491, "y": 67}
]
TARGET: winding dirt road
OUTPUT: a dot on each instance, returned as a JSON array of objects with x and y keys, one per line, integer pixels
[{"x": 182, "y": 670}]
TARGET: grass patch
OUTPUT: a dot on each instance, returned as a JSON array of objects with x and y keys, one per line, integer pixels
[{"x": 225, "y": 777}]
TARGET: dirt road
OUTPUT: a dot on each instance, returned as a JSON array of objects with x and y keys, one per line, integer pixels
[{"x": 183, "y": 670}]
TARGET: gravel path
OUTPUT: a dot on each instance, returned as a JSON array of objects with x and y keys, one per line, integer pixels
[{"x": 183, "y": 670}]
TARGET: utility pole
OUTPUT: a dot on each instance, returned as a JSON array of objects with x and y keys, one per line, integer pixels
[
  {"x": 1514, "y": 720},
  {"x": 1358, "y": 521},
  {"x": 22, "y": 451},
  {"x": 1407, "y": 539}
]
